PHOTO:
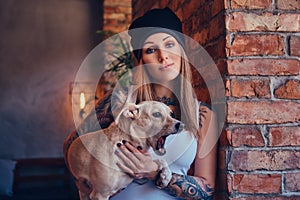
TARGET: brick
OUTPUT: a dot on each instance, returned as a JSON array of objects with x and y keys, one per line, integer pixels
[
  {"x": 196, "y": 23},
  {"x": 216, "y": 93},
  {"x": 284, "y": 136},
  {"x": 247, "y": 45},
  {"x": 117, "y": 3},
  {"x": 222, "y": 66},
  {"x": 114, "y": 25},
  {"x": 246, "y": 136},
  {"x": 288, "y": 4},
  {"x": 211, "y": 78},
  {"x": 187, "y": 26},
  {"x": 117, "y": 9},
  {"x": 244, "y": 160},
  {"x": 223, "y": 139},
  {"x": 218, "y": 6},
  {"x": 263, "y": 67},
  {"x": 295, "y": 45},
  {"x": 263, "y": 112},
  {"x": 191, "y": 7},
  {"x": 140, "y": 7},
  {"x": 203, "y": 17},
  {"x": 179, "y": 13},
  {"x": 116, "y": 16},
  {"x": 250, "y": 4},
  {"x": 222, "y": 160},
  {"x": 202, "y": 94},
  {"x": 216, "y": 50},
  {"x": 216, "y": 27},
  {"x": 292, "y": 182},
  {"x": 229, "y": 183},
  {"x": 257, "y": 183},
  {"x": 227, "y": 88},
  {"x": 240, "y": 21},
  {"x": 201, "y": 36},
  {"x": 155, "y": 4},
  {"x": 163, "y": 3},
  {"x": 250, "y": 88},
  {"x": 126, "y": 10},
  {"x": 174, "y": 5},
  {"x": 289, "y": 90}
]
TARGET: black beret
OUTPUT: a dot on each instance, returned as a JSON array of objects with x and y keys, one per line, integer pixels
[{"x": 154, "y": 21}]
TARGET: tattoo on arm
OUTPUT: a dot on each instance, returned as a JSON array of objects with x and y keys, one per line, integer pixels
[{"x": 187, "y": 187}]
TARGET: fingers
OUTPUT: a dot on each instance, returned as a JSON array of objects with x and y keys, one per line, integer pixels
[
  {"x": 133, "y": 160},
  {"x": 127, "y": 158},
  {"x": 131, "y": 153},
  {"x": 129, "y": 171},
  {"x": 138, "y": 151},
  {"x": 125, "y": 169}
]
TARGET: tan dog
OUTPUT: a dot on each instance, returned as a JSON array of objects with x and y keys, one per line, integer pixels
[{"x": 92, "y": 156}]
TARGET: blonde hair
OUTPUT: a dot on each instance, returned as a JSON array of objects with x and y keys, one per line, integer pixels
[{"x": 186, "y": 93}]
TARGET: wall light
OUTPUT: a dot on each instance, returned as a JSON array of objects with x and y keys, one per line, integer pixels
[
  {"x": 82, "y": 104},
  {"x": 82, "y": 99}
]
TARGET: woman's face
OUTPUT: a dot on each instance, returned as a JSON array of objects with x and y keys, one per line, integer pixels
[{"x": 162, "y": 56}]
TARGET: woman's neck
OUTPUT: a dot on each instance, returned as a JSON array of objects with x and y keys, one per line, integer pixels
[{"x": 162, "y": 91}]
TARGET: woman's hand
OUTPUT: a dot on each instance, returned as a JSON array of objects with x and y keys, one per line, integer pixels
[{"x": 136, "y": 162}]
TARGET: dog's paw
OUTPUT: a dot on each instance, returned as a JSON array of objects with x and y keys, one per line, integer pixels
[{"x": 165, "y": 175}]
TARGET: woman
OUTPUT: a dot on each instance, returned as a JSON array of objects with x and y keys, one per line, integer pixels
[
  {"x": 165, "y": 66},
  {"x": 163, "y": 74}
]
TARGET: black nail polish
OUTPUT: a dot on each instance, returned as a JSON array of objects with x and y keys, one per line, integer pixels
[
  {"x": 124, "y": 141},
  {"x": 139, "y": 148},
  {"x": 119, "y": 144}
]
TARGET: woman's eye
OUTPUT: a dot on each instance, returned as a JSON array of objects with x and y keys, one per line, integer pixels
[
  {"x": 157, "y": 114},
  {"x": 150, "y": 50},
  {"x": 170, "y": 44}
]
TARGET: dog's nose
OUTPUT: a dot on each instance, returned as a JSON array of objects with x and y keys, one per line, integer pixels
[{"x": 177, "y": 125}]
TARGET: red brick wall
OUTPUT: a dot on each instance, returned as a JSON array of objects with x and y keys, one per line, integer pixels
[
  {"x": 263, "y": 99},
  {"x": 256, "y": 46},
  {"x": 117, "y": 15}
]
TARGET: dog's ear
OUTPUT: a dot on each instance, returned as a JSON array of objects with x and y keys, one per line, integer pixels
[{"x": 130, "y": 110}]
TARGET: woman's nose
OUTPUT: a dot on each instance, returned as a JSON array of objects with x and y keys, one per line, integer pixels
[{"x": 162, "y": 55}]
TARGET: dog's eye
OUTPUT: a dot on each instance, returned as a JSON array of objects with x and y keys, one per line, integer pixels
[{"x": 157, "y": 114}]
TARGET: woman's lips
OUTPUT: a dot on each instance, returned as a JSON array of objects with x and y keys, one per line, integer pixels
[{"x": 165, "y": 67}]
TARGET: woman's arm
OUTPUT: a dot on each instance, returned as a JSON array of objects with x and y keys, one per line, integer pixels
[
  {"x": 201, "y": 185},
  {"x": 189, "y": 187}
]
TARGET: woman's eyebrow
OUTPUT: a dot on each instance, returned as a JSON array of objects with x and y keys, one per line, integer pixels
[
  {"x": 166, "y": 38},
  {"x": 148, "y": 43},
  {"x": 153, "y": 42}
]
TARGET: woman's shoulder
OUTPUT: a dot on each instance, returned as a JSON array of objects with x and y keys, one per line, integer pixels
[
  {"x": 205, "y": 108},
  {"x": 206, "y": 113}
]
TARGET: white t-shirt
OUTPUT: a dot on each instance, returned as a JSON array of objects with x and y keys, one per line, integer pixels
[{"x": 181, "y": 150}]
